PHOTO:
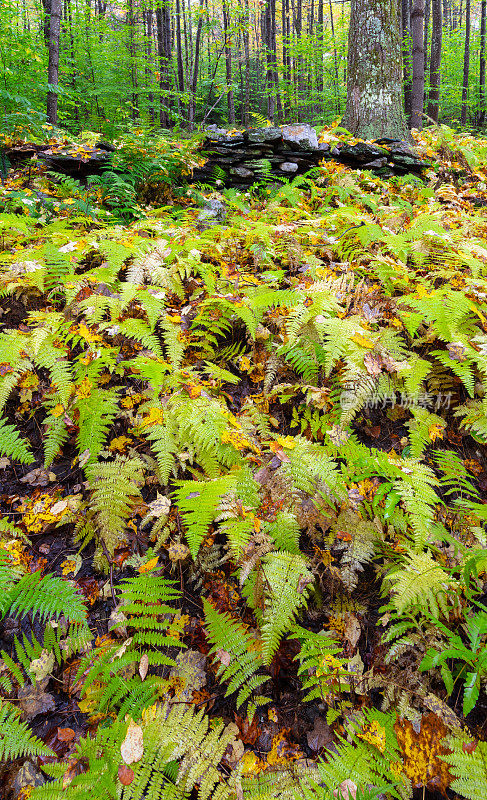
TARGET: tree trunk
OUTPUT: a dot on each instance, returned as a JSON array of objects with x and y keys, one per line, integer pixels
[
  {"x": 483, "y": 19},
  {"x": 163, "y": 23},
  {"x": 196, "y": 62},
  {"x": 228, "y": 63},
  {"x": 374, "y": 85},
  {"x": 133, "y": 60},
  {"x": 417, "y": 32},
  {"x": 435, "y": 61},
  {"x": 53, "y": 65},
  {"x": 427, "y": 15},
  {"x": 466, "y": 65},
  {"x": 246, "y": 43},
  {"x": 406, "y": 55}
]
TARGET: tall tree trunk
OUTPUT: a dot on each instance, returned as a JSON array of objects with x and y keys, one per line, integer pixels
[
  {"x": 336, "y": 83},
  {"x": 164, "y": 49},
  {"x": 133, "y": 61},
  {"x": 179, "y": 54},
  {"x": 417, "y": 31},
  {"x": 228, "y": 63},
  {"x": 427, "y": 15},
  {"x": 406, "y": 55},
  {"x": 246, "y": 44},
  {"x": 466, "y": 66},
  {"x": 53, "y": 64},
  {"x": 435, "y": 61},
  {"x": 483, "y": 20},
  {"x": 374, "y": 85},
  {"x": 196, "y": 62},
  {"x": 148, "y": 60}
]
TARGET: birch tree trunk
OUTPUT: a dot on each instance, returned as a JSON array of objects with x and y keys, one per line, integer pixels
[
  {"x": 53, "y": 65},
  {"x": 228, "y": 63},
  {"x": 374, "y": 84}
]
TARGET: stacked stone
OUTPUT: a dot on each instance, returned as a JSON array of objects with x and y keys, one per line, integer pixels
[{"x": 242, "y": 158}]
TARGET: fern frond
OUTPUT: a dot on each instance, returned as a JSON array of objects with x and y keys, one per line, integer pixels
[
  {"x": 12, "y": 445},
  {"x": 16, "y": 740}
]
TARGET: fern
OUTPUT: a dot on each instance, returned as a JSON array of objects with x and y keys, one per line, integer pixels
[
  {"x": 16, "y": 740},
  {"x": 421, "y": 585},
  {"x": 198, "y": 503},
  {"x": 288, "y": 582},
  {"x": 12, "y": 445},
  {"x": 238, "y": 653},
  {"x": 115, "y": 485},
  {"x": 96, "y": 414},
  {"x": 468, "y": 766}
]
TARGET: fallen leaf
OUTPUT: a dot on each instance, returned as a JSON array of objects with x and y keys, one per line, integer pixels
[
  {"x": 65, "y": 734},
  {"x": 149, "y": 565},
  {"x": 33, "y": 700},
  {"x": 125, "y": 775},
  {"x": 346, "y": 791},
  {"x": 132, "y": 747},
  {"x": 143, "y": 665},
  {"x": 41, "y": 667},
  {"x": 352, "y": 630}
]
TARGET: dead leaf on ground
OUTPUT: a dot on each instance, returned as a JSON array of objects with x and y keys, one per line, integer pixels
[
  {"x": 33, "y": 700},
  {"x": 132, "y": 747}
]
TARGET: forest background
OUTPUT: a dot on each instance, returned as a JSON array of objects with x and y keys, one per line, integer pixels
[{"x": 180, "y": 64}]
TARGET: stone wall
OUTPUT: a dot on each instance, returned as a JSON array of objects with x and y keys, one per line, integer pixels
[{"x": 242, "y": 158}]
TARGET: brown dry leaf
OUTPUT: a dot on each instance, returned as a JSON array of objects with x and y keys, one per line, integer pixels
[
  {"x": 373, "y": 363},
  {"x": 33, "y": 700},
  {"x": 352, "y": 630},
  {"x": 143, "y": 666},
  {"x": 223, "y": 657},
  {"x": 65, "y": 734},
  {"x": 38, "y": 477},
  {"x": 132, "y": 747},
  {"x": 320, "y": 736},
  {"x": 125, "y": 775},
  {"x": 422, "y": 752},
  {"x": 442, "y": 710},
  {"x": 346, "y": 791}
]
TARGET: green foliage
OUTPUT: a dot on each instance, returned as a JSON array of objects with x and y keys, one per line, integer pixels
[
  {"x": 468, "y": 766},
  {"x": 16, "y": 740},
  {"x": 237, "y": 651}
]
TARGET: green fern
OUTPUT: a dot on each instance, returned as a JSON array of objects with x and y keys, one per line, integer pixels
[
  {"x": 12, "y": 445},
  {"x": 115, "y": 486},
  {"x": 16, "y": 740},
  {"x": 238, "y": 653},
  {"x": 468, "y": 765},
  {"x": 198, "y": 503}
]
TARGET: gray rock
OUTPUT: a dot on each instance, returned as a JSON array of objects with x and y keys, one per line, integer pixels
[
  {"x": 288, "y": 166},
  {"x": 362, "y": 152},
  {"x": 242, "y": 172},
  {"x": 378, "y": 163},
  {"x": 302, "y": 135},
  {"x": 214, "y": 212},
  {"x": 258, "y": 135}
]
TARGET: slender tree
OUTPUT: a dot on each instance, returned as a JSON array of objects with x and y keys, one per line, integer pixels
[
  {"x": 435, "y": 60},
  {"x": 53, "y": 64},
  {"x": 483, "y": 20},
  {"x": 466, "y": 65},
  {"x": 417, "y": 34},
  {"x": 406, "y": 55},
  {"x": 374, "y": 86},
  {"x": 228, "y": 62}
]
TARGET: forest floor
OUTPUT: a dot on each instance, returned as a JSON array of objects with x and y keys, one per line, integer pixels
[{"x": 283, "y": 415}]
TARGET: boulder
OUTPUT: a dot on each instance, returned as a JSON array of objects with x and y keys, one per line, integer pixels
[
  {"x": 302, "y": 135},
  {"x": 242, "y": 172},
  {"x": 289, "y": 167},
  {"x": 262, "y": 135},
  {"x": 214, "y": 212}
]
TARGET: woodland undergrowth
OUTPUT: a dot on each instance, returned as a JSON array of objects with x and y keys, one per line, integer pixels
[{"x": 243, "y": 548}]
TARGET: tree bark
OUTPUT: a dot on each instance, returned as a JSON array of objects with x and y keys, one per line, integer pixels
[
  {"x": 163, "y": 24},
  {"x": 196, "y": 62},
  {"x": 483, "y": 20},
  {"x": 417, "y": 32},
  {"x": 53, "y": 65},
  {"x": 228, "y": 63},
  {"x": 406, "y": 55},
  {"x": 466, "y": 66},
  {"x": 435, "y": 61},
  {"x": 374, "y": 85}
]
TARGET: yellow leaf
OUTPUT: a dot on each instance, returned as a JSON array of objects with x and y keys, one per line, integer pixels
[
  {"x": 149, "y": 565},
  {"x": 362, "y": 340},
  {"x": 58, "y": 410},
  {"x": 436, "y": 431}
]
